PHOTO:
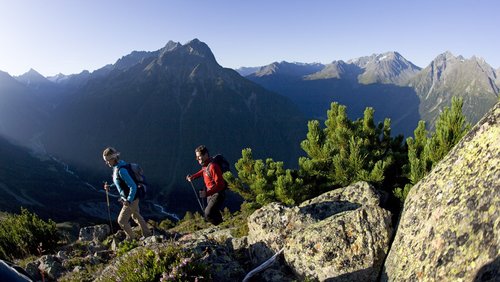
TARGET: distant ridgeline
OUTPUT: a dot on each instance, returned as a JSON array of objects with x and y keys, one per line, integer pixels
[{"x": 393, "y": 86}]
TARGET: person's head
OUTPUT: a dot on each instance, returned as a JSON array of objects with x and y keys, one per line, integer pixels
[
  {"x": 111, "y": 156},
  {"x": 202, "y": 154}
]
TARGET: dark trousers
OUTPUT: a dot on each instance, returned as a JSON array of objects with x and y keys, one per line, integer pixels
[{"x": 214, "y": 205}]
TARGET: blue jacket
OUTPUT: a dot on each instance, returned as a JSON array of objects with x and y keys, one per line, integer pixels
[{"x": 123, "y": 182}]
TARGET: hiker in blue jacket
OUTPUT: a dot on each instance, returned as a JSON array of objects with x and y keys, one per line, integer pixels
[{"x": 128, "y": 193}]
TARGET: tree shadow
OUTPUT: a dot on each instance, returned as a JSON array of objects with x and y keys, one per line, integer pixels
[
  {"x": 489, "y": 272},
  {"x": 322, "y": 210}
]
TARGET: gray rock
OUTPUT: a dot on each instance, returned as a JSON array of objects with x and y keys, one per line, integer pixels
[
  {"x": 212, "y": 233},
  {"x": 268, "y": 228},
  {"x": 338, "y": 231},
  {"x": 51, "y": 266},
  {"x": 61, "y": 255},
  {"x": 360, "y": 193},
  {"x": 350, "y": 246},
  {"x": 223, "y": 266},
  {"x": 277, "y": 273},
  {"x": 95, "y": 246},
  {"x": 78, "y": 268},
  {"x": 238, "y": 244},
  {"x": 118, "y": 237},
  {"x": 152, "y": 240},
  {"x": 94, "y": 233},
  {"x": 103, "y": 255},
  {"x": 33, "y": 271},
  {"x": 449, "y": 227}
]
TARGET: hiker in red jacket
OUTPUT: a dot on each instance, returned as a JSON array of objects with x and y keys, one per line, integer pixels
[{"x": 215, "y": 185}]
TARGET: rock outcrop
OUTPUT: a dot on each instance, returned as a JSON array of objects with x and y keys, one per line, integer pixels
[
  {"x": 449, "y": 227},
  {"x": 95, "y": 233},
  {"x": 343, "y": 234}
]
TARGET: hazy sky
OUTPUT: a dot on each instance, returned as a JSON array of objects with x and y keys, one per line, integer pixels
[{"x": 68, "y": 36}]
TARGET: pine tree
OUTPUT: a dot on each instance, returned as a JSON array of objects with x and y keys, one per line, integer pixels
[
  {"x": 420, "y": 164},
  {"x": 262, "y": 182},
  {"x": 425, "y": 152},
  {"x": 451, "y": 126},
  {"x": 348, "y": 151},
  {"x": 339, "y": 154}
]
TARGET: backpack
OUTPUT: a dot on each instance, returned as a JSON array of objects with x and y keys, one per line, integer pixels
[
  {"x": 137, "y": 174},
  {"x": 222, "y": 162}
]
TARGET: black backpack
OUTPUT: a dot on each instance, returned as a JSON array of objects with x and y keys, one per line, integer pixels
[
  {"x": 222, "y": 162},
  {"x": 137, "y": 173}
]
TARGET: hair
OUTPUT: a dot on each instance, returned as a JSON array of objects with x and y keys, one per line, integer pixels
[
  {"x": 111, "y": 152},
  {"x": 202, "y": 149}
]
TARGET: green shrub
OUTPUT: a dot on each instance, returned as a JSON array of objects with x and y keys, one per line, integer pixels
[
  {"x": 166, "y": 224},
  {"x": 238, "y": 220},
  {"x": 26, "y": 234},
  {"x": 168, "y": 264},
  {"x": 191, "y": 223},
  {"x": 339, "y": 153},
  {"x": 426, "y": 149},
  {"x": 126, "y": 246}
]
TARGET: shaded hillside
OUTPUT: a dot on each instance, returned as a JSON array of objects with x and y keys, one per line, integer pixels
[
  {"x": 373, "y": 81},
  {"x": 158, "y": 110},
  {"x": 21, "y": 117},
  {"x": 314, "y": 96},
  {"x": 41, "y": 185}
]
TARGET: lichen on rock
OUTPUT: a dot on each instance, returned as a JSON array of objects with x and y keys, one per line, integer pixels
[
  {"x": 343, "y": 234},
  {"x": 449, "y": 227}
]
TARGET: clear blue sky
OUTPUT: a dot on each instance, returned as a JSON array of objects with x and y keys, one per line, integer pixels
[{"x": 68, "y": 36}]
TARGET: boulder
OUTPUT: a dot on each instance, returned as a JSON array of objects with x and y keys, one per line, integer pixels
[
  {"x": 33, "y": 271},
  {"x": 350, "y": 246},
  {"x": 268, "y": 228},
  {"x": 95, "y": 233},
  {"x": 222, "y": 264},
  {"x": 51, "y": 266},
  {"x": 449, "y": 227},
  {"x": 341, "y": 231}
]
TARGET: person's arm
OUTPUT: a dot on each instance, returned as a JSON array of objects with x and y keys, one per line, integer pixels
[
  {"x": 194, "y": 176},
  {"x": 125, "y": 176},
  {"x": 218, "y": 180},
  {"x": 108, "y": 186}
]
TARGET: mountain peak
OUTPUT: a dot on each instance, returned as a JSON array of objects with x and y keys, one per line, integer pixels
[
  {"x": 446, "y": 54},
  {"x": 32, "y": 73},
  {"x": 199, "y": 48},
  {"x": 188, "y": 56},
  {"x": 447, "y": 57},
  {"x": 388, "y": 67},
  {"x": 289, "y": 69},
  {"x": 171, "y": 45},
  {"x": 32, "y": 77}
]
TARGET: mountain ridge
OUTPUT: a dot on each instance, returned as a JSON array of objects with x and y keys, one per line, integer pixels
[
  {"x": 474, "y": 80},
  {"x": 448, "y": 75}
]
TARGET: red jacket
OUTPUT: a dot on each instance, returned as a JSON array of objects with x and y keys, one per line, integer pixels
[{"x": 214, "y": 182}]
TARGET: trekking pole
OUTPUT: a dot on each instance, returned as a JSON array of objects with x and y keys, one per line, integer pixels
[
  {"x": 197, "y": 197},
  {"x": 203, "y": 201},
  {"x": 109, "y": 213}
]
